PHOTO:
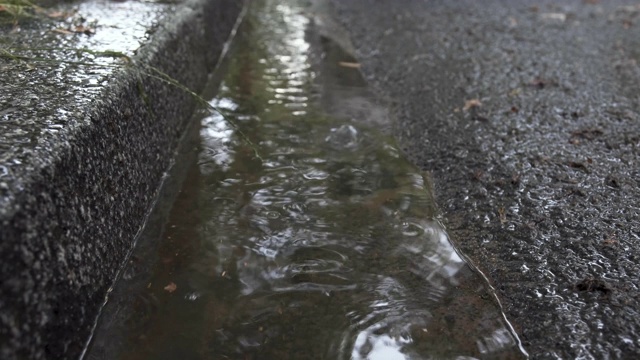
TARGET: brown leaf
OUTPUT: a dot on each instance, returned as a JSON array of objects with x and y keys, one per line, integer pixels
[
  {"x": 471, "y": 104},
  {"x": 171, "y": 287}
]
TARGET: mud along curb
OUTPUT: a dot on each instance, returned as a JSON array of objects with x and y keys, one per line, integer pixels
[{"x": 73, "y": 196}]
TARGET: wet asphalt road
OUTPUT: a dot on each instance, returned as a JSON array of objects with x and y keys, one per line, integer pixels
[{"x": 527, "y": 116}]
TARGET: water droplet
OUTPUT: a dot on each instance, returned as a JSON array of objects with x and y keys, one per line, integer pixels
[
  {"x": 345, "y": 136},
  {"x": 192, "y": 296}
]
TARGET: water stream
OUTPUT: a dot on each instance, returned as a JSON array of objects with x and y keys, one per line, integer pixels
[{"x": 325, "y": 246}]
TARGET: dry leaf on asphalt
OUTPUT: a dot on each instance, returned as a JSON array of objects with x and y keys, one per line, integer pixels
[{"x": 470, "y": 104}]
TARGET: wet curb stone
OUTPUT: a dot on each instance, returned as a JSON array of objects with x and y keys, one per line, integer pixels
[
  {"x": 527, "y": 116},
  {"x": 80, "y": 164}
]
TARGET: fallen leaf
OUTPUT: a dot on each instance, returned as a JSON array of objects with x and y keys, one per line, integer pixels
[
  {"x": 171, "y": 287},
  {"x": 351, "y": 65},
  {"x": 470, "y": 104}
]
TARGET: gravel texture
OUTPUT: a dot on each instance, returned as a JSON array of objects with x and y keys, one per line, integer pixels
[{"x": 83, "y": 150}]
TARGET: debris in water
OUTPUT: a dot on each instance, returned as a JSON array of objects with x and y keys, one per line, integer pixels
[{"x": 171, "y": 287}]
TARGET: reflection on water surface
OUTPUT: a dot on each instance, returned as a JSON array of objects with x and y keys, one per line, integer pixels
[{"x": 325, "y": 247}]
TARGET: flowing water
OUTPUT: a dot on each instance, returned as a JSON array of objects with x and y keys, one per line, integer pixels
[{"x": 300, "y": 231}]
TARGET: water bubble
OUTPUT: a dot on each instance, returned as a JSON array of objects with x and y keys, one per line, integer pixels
[
  {"x": 345, "y": 136},
  {"x": 192, "y": 296}
]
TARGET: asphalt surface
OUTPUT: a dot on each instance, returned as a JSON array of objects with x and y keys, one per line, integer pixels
[{"x": 527, "y": 116}]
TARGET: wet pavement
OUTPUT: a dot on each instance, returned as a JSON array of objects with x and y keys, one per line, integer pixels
[
  {"x": 527, "y": 115},
  {"x": 87, "y": 130},
  {"x": 300, "y": 231}
]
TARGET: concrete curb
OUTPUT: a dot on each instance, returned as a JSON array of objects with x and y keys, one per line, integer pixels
[{"x": 69, "y": 222}]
